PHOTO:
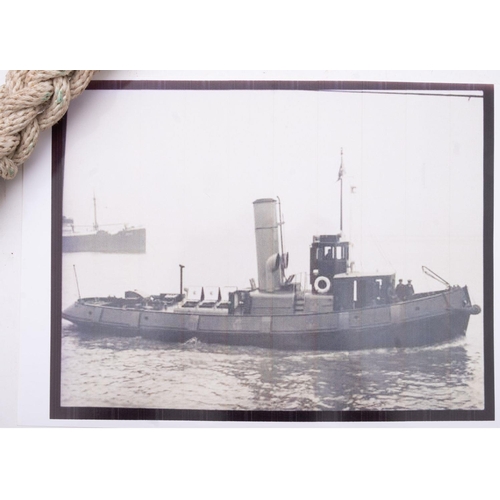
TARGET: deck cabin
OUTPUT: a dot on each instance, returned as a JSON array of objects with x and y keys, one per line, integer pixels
[
  {"x": 330, "y": 273},
  {"x": 355, "y": 291}
]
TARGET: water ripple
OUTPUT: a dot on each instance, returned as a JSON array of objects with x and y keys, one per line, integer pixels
[{"x": 100, "y": 371}]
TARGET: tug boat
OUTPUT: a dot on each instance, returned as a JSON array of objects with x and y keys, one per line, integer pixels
[{"x": 339, "y": 310}]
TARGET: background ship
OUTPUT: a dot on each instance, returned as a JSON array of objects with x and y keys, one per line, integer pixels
[{"x": 127, "y": 240}]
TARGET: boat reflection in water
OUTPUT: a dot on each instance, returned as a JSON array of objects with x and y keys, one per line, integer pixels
[
  {"x": 111, "y": 371},
  {"x": 340, "y": 310}
]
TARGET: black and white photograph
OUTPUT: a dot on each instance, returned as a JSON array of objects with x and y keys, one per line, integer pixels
[{"x": 273, "y": 250}]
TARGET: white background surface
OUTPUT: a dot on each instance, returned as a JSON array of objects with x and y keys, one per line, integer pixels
[
  {"x": 267, "y": 463},
  {"x": 32, "y": 314},
  {"x": 25, "y": 217}
]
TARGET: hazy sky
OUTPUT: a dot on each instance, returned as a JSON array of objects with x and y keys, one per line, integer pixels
[{"x": 187, "y": 165}]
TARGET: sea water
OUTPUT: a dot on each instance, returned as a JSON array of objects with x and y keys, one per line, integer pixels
[{"x": 133, "y": 372}]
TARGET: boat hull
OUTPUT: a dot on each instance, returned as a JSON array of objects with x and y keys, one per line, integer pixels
[
  {"x": 126, "y": 241},
  {"x": 426, "y": 321}
]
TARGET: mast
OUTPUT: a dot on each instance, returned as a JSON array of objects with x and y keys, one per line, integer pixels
[
  {"x": 77, "y": 285},
  {"x": 96, "y": 227},
  {"x": 181, "y": 267},
  {"x": 341, "y": 179},
  {"x": 280, "y": 223}
]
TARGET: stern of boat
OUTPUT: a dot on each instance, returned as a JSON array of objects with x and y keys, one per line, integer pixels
[{"x": 81, "y": 314}]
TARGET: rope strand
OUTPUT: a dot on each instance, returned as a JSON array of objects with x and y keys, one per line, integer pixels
[{"x": 32, "y": 101}]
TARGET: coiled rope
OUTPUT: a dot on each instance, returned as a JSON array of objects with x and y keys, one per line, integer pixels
[{"x": 31, "y": 101}]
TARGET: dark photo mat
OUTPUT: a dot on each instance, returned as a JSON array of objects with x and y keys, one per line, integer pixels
[{"x": 58, "y": 161}]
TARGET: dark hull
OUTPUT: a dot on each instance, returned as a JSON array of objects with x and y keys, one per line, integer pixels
[
  {"x": 429, "y": 320},
  {"x": 126, "y": 241},
  {"x": 419, "y": 333}
]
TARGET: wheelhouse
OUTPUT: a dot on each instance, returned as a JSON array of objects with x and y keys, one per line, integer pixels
[
  {"x": 330, "y": 273},
  {"x": 329, "y": 257}
]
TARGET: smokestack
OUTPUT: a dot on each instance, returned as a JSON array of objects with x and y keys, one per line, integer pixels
[{"x": 267, "y": 241}]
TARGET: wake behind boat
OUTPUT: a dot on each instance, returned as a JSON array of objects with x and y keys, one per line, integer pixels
[{"x": 340, "y": 310}]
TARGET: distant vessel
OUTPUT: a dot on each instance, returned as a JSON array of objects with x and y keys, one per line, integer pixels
[
  {"x": 127, "y": 240},
  {"x": 341, "y": 310}
]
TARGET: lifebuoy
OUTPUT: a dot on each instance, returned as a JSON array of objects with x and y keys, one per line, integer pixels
[{"x": 322, "y": 284}]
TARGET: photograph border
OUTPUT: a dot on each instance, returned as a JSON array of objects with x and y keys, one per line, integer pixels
[{"x": 105, "y": 413}]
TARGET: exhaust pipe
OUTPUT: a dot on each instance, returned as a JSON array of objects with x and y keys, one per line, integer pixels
[{"x": 267, "y": 243}]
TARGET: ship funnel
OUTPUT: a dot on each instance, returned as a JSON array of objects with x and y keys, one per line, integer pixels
[{"x": 267, "y": 241}]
